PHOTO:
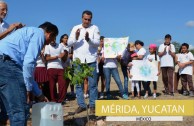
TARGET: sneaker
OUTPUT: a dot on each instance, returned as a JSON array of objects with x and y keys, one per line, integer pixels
[
  {"x": 125, "y": 96},
  {"x": 92, "y": 110},
  {"x": 191, "y": 94},
  {"x": 145, "y": 96},
  {"x": 101, "y": 95},
  {"x": 86, "y": 96},
  {"x": 154, "y": 96},
  {"x": 185, "y": 93},
  {"x": 79, "y": 110}
]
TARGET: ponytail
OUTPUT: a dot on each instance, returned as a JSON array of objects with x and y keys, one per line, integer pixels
[{"x": 155, "y": 56}]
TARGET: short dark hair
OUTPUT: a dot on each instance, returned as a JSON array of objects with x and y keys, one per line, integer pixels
[
  {"x": 139, "y": 42},
  {"x": 102, "y": 37},
  {"x": 185, "y": 44},
  {"x": 168, "y": 36},
  {"x": 50, "y": 28},
  {"x": 62, "y": 36},
  {"x": 87, "y": 12}
]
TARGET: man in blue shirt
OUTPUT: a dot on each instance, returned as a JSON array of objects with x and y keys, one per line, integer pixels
[{"x": 18, "y": 55}]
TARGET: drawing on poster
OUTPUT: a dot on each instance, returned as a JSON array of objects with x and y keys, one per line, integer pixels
[
  {"x": 114, "y": 46},
  {"x": 144, "y": 70}
]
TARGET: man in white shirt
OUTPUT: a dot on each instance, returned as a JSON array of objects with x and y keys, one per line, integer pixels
[
  {"x": 166, "y": 53},
  {"x": 85, "y": 39},
  {"x": 5, "y": 28},
  {"x": 54, "y": 52}
]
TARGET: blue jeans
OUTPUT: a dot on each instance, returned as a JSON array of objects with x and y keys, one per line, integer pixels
[
  {"x": 3, "y": 112},
  {"x": 124, "y": 70},
  {"x": 13, "y": 92},
  {"x": 115, "y": 74},
  {"x": 93, "y": 89}
]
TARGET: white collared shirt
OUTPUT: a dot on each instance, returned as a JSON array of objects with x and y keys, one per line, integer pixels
[
  {"x": 183, "y": 58},
  {"x": 152, "y": 57},
  {"x": 166, "y": 60},
  {"x": 68, "y": 61},
  {"x": 54, "y": 51},
  {"x": 3, "y": 26},
  {"x": 40, "y": 63},
  {"x": 85, "y": 51},
  {"x": 142, "y": 52}
]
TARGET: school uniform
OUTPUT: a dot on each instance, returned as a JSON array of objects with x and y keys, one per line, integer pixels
[
  {"x": 186, "y": 72},
  {"x": 41, "y": 77},
  {"x": 142, "y": 52},
  {"x": 40, "y": 73},
  {"x": 167, "y": 67},
  {"x": 55, "y": 73},
  {"x": 152, "y": 58}
]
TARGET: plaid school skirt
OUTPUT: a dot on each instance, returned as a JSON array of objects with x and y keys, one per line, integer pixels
[{"x": 40, "y": 74}]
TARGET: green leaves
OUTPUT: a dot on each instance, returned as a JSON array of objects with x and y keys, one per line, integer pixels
[{"x": 78, "y": 72}]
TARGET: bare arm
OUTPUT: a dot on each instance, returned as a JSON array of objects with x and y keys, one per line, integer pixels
[
  {"x": 140, "y": 57},
  {"x": 182, "y": 65},
  {"x": 10, "y": 29}
]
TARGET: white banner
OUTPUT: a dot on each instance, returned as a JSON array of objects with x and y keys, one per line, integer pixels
[{"x": 144, "y": 118}]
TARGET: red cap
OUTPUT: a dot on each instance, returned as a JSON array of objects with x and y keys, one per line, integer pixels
[{"x": 153, "y": 46}]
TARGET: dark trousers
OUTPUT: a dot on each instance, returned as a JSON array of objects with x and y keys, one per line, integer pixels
[
  {"x": 148, "y": 85},
  {"x": 167, "y": 78},
  {"x": 176, "y": 81},
  {"x": 185, "y": 78},
  {"x": 56, "y": 76},
  {"x": 144, "y": 83}
]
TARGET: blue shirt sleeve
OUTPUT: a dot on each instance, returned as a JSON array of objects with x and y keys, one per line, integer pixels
[{"x": 33, "y": 51}]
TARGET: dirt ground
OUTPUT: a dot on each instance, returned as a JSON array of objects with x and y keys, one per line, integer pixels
[
  {"x": 72, "y": 105},
  {"x": 81, "y": 119}
]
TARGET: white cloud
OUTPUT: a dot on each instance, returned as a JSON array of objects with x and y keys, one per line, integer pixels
[{"x": 190, "y": 24}]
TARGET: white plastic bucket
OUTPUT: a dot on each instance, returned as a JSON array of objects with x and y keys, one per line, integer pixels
[{"x": 47, "y": 114}]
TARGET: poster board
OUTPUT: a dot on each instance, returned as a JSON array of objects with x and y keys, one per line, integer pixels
[
  {"x": 114, "y": 46},
  {"x": 144, "y": 70}
]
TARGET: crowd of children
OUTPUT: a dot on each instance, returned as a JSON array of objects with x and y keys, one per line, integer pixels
[{"x": 108, "y": 67}]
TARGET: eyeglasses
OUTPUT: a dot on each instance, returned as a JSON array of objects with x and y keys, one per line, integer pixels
[{"x": 87, "y": 19}]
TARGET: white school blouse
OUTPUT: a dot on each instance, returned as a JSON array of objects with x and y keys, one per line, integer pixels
[
  {"x": 54, "y": 51},
  {"x": 166, "y": 60},
  {"x": 142, "y": 51},
  {"x": 183, "y": 58}
]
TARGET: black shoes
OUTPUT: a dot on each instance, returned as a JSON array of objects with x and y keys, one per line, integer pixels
[
  {"x": 79, "y": 110},
  {"x": 185, "y": 93}
]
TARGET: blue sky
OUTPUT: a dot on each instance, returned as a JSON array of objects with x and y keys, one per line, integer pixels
[{"x": 146, "y": 20}]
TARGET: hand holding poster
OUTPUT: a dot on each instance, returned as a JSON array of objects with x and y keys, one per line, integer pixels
[
  {"x": 114, "y": 46},
  {"x": 144, "y": 70}
]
